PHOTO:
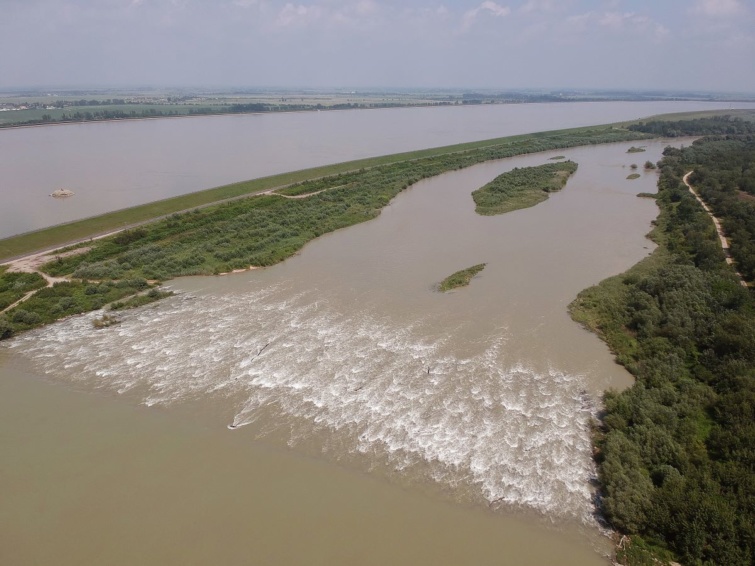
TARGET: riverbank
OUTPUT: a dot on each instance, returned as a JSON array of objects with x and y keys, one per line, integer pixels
[
  {"x": 33, "y": 123},
  {"x": 674, "y": 450},
  {"x": 68, "y": 233},
  {"x": 264, "y": 230}
]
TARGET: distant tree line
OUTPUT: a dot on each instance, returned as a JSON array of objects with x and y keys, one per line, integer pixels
[
  {"x": 715, "y": 125},
  {"x": 172, "y": 110}
]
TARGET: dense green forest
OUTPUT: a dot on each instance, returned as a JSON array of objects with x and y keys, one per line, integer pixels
[
  {"x": 522, "y": 187},
  {"x": 676, "y": 452},
  {"x": 715, "y": 125}
]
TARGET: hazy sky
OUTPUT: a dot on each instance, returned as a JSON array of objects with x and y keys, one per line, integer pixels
[{"x": 665, "y": 44}]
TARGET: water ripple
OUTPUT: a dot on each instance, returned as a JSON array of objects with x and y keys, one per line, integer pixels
[{"x": 519, "y": 435}]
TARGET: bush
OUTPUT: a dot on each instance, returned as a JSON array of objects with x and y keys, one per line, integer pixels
[{"x": 21, "y": 316}]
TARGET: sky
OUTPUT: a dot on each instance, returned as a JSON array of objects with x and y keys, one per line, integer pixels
[{"x": 702, "y": 45}]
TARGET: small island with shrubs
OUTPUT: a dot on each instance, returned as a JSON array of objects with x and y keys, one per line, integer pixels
[
  {"x": 522, "y": 187},
  {"x": 460, "y": 278},
  {"x": 634, "y": 149}
]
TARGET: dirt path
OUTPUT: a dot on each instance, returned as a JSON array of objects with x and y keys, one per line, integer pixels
[
  {"x": 31, "y": 264},
  {"x": 306, "y": 195},
  {"x": 724, "y": 241}
]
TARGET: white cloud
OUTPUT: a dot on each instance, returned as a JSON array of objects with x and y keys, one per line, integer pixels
[
  {"x": 616, "y": 22},
  {"x": 719, "y": 8},
  {"x": 366, "y": 7},
  {"x": 578, "y": 23},
  {"x": 291, "y": 15},
  {"x": 540, "y": 6},
  {"x": 329, "y": 13},
  {"x": 469, "y": 18}
]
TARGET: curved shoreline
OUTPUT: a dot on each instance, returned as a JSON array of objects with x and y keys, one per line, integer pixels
[{"x": 79, "y": 230}]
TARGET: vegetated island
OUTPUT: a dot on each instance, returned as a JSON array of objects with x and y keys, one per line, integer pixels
[
  {"x": 242, "y": 232},
  {"x": 676, "y": 451},
  {"x": 633, "y": 176},
  {"x": 634, "y": 149},
  {"x": 557, "y": 157},
  {"x": 522, "y": 187},
  {"x": 460, "y": 278}
]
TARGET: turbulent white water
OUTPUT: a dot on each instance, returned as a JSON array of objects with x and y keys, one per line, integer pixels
[
  {"x": 402, "y": 391},
  {"x": 346, "y": 349}
]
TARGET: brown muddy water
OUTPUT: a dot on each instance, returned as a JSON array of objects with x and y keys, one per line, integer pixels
[
  {"x": 114, "y": 165},
  {"x": 375, "y": 421}
]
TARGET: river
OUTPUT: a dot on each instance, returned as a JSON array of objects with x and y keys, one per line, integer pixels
[
  {"x": 375, "y": 420},
  {"x": 113, "y": 165}
]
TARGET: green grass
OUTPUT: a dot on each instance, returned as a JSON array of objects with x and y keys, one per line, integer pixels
[
  {"x": 13, "y": 286},
  {"x": 633, "y": 176},
  {"x": 522, "y": 188},
  {"x": 460, "y": 278},
  {"x": 556, "y": 157}
]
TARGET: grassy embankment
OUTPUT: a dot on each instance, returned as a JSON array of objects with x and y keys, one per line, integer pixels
[
  {"x": 676, "y": 451},
  {"x": 522, "y": 188},
  {"x": 493, "y": 149},
  {"x": 460, "y": 278}
]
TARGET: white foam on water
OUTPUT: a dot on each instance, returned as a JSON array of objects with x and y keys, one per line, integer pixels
[{"x": 519, "y": 435}]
